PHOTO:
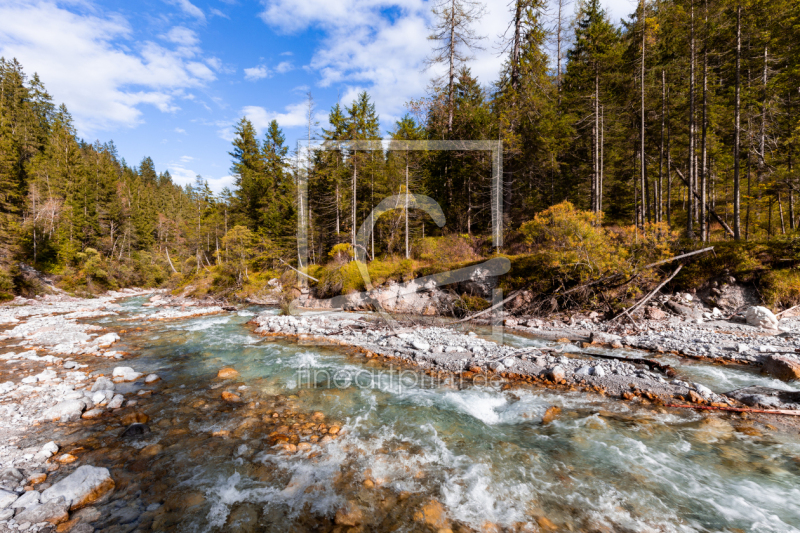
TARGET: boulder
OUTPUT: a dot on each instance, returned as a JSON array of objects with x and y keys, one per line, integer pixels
[
  {"x": 29, "y": 499},
  {"x": 6, "y": 498},
  {"x": 604, "y": 338},
  {"x": 83, "y": 487},
  {"x": 761, "y": 317},
  {"x": 766, "y": 397},
  {"x": 227, "y": 373},
  {"x": 151, "y": 378},
  {"x": 102, "y": 383},
  {"x": 683, "y": 310},
  {"x": 107, "y": 340},
  {"x": 654, "y": 313},
  {"x": 782, "y": 367},
  {"x": 557, "y": 373},
  {"x": 125, "y": 373},
  {"x": 116, "y": 402},
  {"x": 65, "y": 411},
  {"x": 54, "y": 511}
]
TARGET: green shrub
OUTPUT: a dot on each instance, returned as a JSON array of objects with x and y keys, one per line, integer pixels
[{"x": 781, "y": 288}]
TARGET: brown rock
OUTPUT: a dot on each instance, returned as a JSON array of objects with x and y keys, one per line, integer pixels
[
  {"x": 545, "y": 524},
  {"x": 92, "y": 413},
  {"x": 136, "y": 417},
  {"x": 66, "y": 459},
  {"x": 432, "y": 514},
  {"x": 782, "y": 367},
  {"x": 695, "y": 398},
  {"x": 243, "y": 519},
  {"x": 654, "y": 313},
  {"x": 303, "y": 447},
  {"x": 150, "y": 451},
  {"x": 349, "y": 515},
  {"x": 35, "y": 479},
  {"x": 334, "y": 430},
  {"x": 231, "y": 397},
  {"x": 227, "y": 373},
  {"x": 318, "y": 416},
  {"x": 551, "y": 414}
]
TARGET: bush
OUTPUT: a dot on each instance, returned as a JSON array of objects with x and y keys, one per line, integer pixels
[
  {"x": 781, "y": 288},
  {"x": 446, "y": 250}
]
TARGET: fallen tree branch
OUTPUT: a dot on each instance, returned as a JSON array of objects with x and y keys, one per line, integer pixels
[
  {"x": 651, "y": 265},
  {"x": 649, "y": 296},
  {"x": 787, "y": 310},
  {"x": 737, "y": 409},
  {"x": 303, "y": 273},
  {"x": 708, "y": 207},
  {"x": 495, "y": 306}
]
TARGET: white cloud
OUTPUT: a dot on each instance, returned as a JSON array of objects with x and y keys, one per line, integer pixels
[
  {"x": 189, "y": 8},
  {"x": 284, "y": 67},
  {"x": 256, "y": 73},
  {"x": 180, "y": 130},
  {"x": 186, "y": 158},
  {"x": 293, "y": 115},
  {"x": 91, "y": 62},
  {"x": 216, "y": 12}
]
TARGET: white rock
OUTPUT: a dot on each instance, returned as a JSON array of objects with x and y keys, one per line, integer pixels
[
  {"x": 599, "y": 372},
  {"x": 116, "y": 402},
  {"x": 80, "y": 484},
  {"x": 6, "y": 498},
  {"x": 49, "y": 449},
  {"x": 64, "y": 411},
  {"x": 761, "y": 317},
  {"x": 703, "y": 390},
  {"x": 29, "y": 499},
  {"x": 107, "y": 340},
  {"x": 584, "y": 371},
  {"x": 5, "y": 514},
  {"x": 103, "y": 383},
  {"x": 420, "y": 345},
  {"x": 741, "y": 348},
  {"x": 508, "y": 362},
  {"x": 151, "y": 378},
  {"x": 125, "y": 373}
]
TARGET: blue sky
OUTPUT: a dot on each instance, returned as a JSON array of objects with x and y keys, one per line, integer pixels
[{"x": 169, "y": 78}]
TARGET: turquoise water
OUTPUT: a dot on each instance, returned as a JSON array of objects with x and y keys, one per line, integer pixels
[{"x": 482, "y": 452}]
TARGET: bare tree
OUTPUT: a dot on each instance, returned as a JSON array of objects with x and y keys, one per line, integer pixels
[
  {"x": 737, "y": 230},
  {"x": 455, "y": 37}
]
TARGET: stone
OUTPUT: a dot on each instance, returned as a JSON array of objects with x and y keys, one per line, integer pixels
[
  {"x": 86, "y": 485},
  {"x": 557, "y": 373},
  {"x": 125, "y": 373},
  {"x": 65, "y": 411},
  {"x": 654, "y": 313},
  {"x": 781, "y": 367},
  {"x": 66, "y": 459},
  {"x": 48, "y": 449},
  {"x": 243, "y": 519},
  {"x": 6, "y": 514},
  {"x": 683, "y": 310},
  {"x": 231, "y": 397},
  {"x": 29, "y": 499},
  {"x": 227, "y": 373},
  {"x": 82, "y": 527},
  {"x": 349, "y": 515},
  {"x": 585, "y": 371},
  {"x": 152, "y": 450},
  {"x": 742, "y": 348},
  {"x": 103, "y": 383},
  {"x": 106, "y": 340},
  {"x": 136, "y": 417},
  {"x": 116, "y": 402},
  {"x": 93, "y": 413},
  {"x": 6, "y": 498},
  {"x": 552, "y": 412},
  {"x": 432, "y": 514},
  {"x": 135, "y": 431},
  {"x": 599, "y": 337},
  {"x": 599, "y": 372},
  {"x": 419, "y": 344},
  {"x": 703, "y": 390},
  {"x": 508, "y": 362},
  {"x": 54, "y": 511},
  {"x": 151, "y": 378},
  {"x": 761, "y": 317}
]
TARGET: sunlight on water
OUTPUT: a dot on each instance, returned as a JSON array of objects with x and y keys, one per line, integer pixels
[{"x": 483, "y": 453}]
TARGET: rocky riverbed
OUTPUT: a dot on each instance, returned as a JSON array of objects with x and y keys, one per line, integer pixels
[{"x": 119, "y": 422}]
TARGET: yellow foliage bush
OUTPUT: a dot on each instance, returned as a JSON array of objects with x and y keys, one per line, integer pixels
[
  {"x": 781, "y": 288},
  {"x": 446, "y": 250}
]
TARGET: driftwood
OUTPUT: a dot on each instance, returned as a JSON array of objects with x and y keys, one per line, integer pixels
[
  {"x": 651, "y": 265},
  {"x": 737, "y": 409},
  {"x": 302, "y": 273},
  {"x": 495, "y": 306},
  {"x": 708, "y": 207},
  {"x": 787, "y": 310},
  {"x": 649, "y": 296}
]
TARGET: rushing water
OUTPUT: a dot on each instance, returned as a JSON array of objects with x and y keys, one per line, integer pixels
[{"x": 483, "y": 453}]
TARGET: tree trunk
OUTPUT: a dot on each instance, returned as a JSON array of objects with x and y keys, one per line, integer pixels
[
  {"x": 660, "y": 199},
  {"x": 692, "y": 173},
  {"x": 737, "y": 231},
  {"x": 704, "y": 152},
  {"x": 643, "y": 162}
]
